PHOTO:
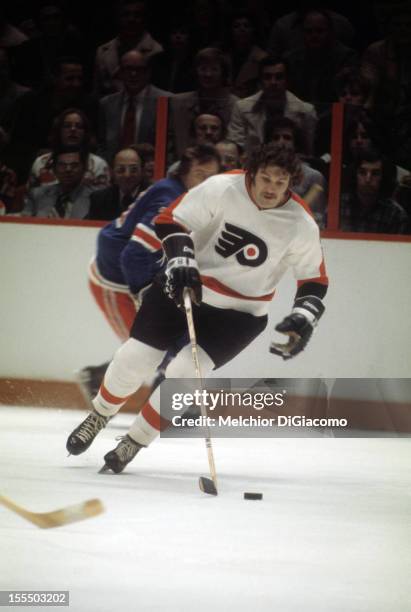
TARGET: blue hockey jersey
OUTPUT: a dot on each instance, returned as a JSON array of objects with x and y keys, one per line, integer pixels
[{"x": 128, "y": 249}]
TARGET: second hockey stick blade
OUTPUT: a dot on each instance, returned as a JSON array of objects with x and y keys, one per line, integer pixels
[
  {"x": 207, "y": 486},
  {"x": 56, "y": 518}
]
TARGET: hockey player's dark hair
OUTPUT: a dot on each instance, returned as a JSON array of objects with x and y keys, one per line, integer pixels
[
  {"x": 83, "y": 154},
  {"x": 273, "y": 155},
  {"x": 202, "y": 154}
]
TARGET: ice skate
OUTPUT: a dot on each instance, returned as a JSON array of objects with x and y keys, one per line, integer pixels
[
  {"x": 81, "y": 438},
  {"x": 117, "y": 459}
]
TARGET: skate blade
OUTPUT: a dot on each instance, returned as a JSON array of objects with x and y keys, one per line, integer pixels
[{"x": 207, "y": 486}]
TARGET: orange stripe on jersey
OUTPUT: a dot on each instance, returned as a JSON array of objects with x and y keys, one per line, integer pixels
[
  {"x": 153, "y": 418},
  {"x": 215, "y": 285},
  {"x": 239, "y": 171},
  {"x": 112, "y": 399},
  {"x": 322, "y": 279},
  {"x": 139, "y": 233},
  {"x": 303, "y": 203},
  {"x": 166, "y": 216}
]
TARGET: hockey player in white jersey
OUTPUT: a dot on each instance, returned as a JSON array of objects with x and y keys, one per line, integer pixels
[{"x": 229, "y": 241}]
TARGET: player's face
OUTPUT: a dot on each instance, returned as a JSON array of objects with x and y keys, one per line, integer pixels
[
  {"x": 270, "y": 186},
  {"x": 127, "y": 170},
  {"x": 199, "y": 172}
]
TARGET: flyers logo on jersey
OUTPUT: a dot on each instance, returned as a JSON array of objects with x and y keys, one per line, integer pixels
[{"x": 247, "y": 248}]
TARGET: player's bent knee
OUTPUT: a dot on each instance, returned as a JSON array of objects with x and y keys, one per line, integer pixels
[{"x": 135, "y": 356}]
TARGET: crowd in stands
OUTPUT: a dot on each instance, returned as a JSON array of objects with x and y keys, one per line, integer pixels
[{"x": 79, "y": 88}]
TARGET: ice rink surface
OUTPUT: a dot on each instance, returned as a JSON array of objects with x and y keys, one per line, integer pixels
[{"x": 332, "y": 534}]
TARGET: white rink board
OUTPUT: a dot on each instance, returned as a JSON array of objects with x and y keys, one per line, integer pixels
[
  {"x": 332, "y": 533},
  {"x": 51, "y": 326}
]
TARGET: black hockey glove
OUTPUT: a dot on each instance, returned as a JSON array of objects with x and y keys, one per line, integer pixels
[
  {"x": 182, "y": 269},
  {"x": 299, "y": 326}
]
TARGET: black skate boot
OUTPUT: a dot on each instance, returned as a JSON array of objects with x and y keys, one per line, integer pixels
[
  {"x": 90, "y": 379},
  {"x": 81, "y": 438},
  {"x": 117, "y": 459}
]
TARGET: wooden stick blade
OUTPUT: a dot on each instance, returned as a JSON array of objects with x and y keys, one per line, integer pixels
[
  {"x": 207, "y": 486},
  {"x": 57, "y": 518}
]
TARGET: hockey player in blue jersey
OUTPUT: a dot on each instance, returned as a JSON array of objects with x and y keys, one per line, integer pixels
[{"x": 129, "y": 252}]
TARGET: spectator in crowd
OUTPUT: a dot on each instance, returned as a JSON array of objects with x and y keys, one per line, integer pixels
[
  {"x": 287, "y": 32},
  {"x": 206, "y": 23},
  {"x": 212, "y": 96},
  {"x": 312, "y": 67},
  {"x": 146, "y": 154},
  {"x": 35, "y": 112},
  {"x": 131, "y": 35},
  {"x": 129, "y": 116},
  {"x": 9, "y": 35},
  {"x": 35, "y": 58},
  {"x": 368, "y": 204},
  {"x": 71, "y": 128},
  {"x": 69, "y": 198},
  {"x": 207, "y": 128},
  {"x": 387, "y": 62},
  {"x": 309, "y": 182},
  {"x": 230, "y": 155},
  {"x": 110, "y": 203},
  {"x": 204, "y": 129},
  {"x": 173, "y": 69},
  {"x": 249, "y": 116},
  {"x": 355, "y": 92},
  {"x": 8, "y": 184},
  {"x": 10, "y": 92},
  {"x": 243, "y": 54}
]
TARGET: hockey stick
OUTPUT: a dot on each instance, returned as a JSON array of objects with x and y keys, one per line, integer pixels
[
  {"x": 207, "y": 485},
  {"x": 56, "y": 518}
]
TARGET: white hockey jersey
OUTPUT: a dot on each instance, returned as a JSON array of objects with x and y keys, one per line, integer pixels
[{"x": 243, "y": 251}]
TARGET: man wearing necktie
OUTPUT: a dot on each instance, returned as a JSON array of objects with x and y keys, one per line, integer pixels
[
  {"x": 129, "y": 117},
  {"x": 69, "y": 197}
]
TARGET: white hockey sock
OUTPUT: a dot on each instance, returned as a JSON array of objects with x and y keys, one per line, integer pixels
[
  {"x": 149, "y": 422},
  {"x": 133, "y": 364}
]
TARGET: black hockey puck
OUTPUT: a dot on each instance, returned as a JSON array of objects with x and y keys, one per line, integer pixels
[{"x": 253, "y": 496}]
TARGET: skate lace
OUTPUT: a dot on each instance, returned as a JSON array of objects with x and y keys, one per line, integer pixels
[
  {"x": 91, "y": 426},
  {"x": 127, "y": 448}
]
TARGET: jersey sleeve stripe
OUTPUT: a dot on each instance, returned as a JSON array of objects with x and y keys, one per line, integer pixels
[
  {"x": 218, "y": 287},
  {"x": 166, "y": 216},
  {"x": 144, "y": 238}
]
